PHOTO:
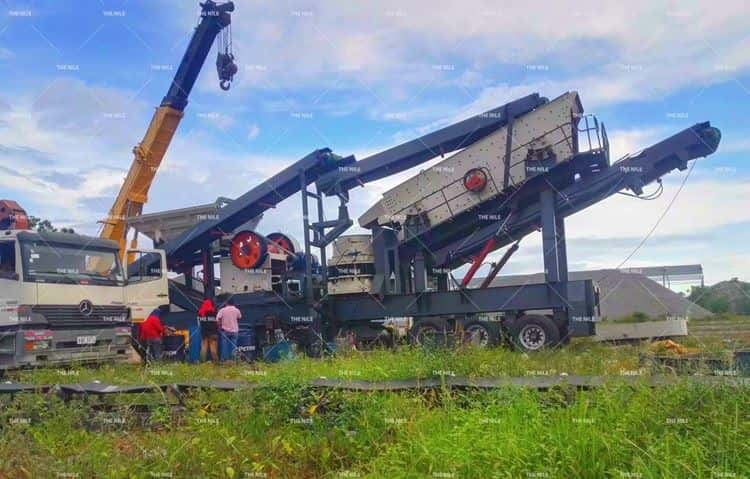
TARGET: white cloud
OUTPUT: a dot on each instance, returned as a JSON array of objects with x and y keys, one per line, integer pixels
[
  {"x": 630, "y": 142},
  {"x": 75, "y": 123},
  {"x": 63, "y": 201},
  {"x": 613, "y": 52},
  {"x": 218, "y": 120},
  {"x": 65, "y": 154},
  {"x": 725, "y": 266},
  {"x": 701, "y": 206},
  {"x": 737, "y": 145},
  {"x": 66, "y": 149},
  {"x": 253, "y": 132}
]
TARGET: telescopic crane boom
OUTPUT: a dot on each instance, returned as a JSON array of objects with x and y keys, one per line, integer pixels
[{"x": 215, "y": 20}]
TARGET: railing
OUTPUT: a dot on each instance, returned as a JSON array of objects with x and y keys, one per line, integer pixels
[{"x": 595, "y": 134}]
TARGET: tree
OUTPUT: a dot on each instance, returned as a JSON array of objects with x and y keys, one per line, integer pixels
[
  {"x": 731, "y": 296},
  {"x": 42, "y": 225}
]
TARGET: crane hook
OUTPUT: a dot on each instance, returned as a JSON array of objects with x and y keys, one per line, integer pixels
[{"x": 226, "y": 68}]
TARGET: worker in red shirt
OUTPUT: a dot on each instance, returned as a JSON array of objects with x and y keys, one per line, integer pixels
[
  {"x": 150, "y": 334},
  {"x": 209, "y": 330}
]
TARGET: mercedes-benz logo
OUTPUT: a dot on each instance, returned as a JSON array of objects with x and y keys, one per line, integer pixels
[{"x": 86, "y": 307}]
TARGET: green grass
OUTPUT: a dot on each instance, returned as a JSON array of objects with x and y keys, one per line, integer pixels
[
  {"x": 680, "y": 432},
  {"x": 284, "y": 430},
  {"x": 728, "y": 317},
  {"x": 579, "y": 358}
]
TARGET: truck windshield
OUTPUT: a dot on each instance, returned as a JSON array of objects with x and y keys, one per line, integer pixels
[{"x": 45, "y": 262}]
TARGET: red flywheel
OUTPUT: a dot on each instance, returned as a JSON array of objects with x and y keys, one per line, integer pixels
[
  {"x": 248, "y": 250},
  {"x": 475, "y": 180},
  {"x": 284, "y": 242}
]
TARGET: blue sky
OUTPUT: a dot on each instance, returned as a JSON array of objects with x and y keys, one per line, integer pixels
[{"x": 80, "y": 81}]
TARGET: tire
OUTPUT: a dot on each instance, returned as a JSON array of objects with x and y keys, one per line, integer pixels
[
  {"x": 481, "y": 334},
  {"x": 430, "y": 333},
  {"x": 533, "y": 333}
]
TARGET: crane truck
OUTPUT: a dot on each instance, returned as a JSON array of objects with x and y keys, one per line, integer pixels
[
  {"x": 514, "y": 170},
  {"x": 65, "y": 298}
]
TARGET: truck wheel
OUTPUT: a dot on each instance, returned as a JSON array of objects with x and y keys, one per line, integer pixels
[
  {"x": 480, "y": 334},
  {"x": 429, "y": 333},
  {"x": 533, "y": 332}
]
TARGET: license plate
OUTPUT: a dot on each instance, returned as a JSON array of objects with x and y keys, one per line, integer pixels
[{"x": 80, "y": 340}]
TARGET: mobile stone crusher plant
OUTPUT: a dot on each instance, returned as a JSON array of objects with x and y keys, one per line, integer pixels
[{"x": 519, "y": 168}]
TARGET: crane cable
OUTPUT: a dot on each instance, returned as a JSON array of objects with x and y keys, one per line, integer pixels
[
  {"x": 225, "y": 41},
  {"x": 649, "y": 197},
  {"x": 661, "y": 217},
  {"x": 225, "y": 66}
]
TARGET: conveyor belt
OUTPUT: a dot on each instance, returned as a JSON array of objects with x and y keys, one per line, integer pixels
[
  {"x": 184, "y": 297},
  {"x": 451, "y": 244}
]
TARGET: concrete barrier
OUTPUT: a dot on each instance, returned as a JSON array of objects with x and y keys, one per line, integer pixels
[{"x": 610, "y": 331}]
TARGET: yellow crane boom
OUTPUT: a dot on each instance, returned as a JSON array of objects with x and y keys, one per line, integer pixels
[
  {"x": 148, "y": 157},
  {"x": 149, "y": 153}
]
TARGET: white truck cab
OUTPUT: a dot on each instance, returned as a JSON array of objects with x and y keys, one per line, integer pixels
[{"x": 66, "y": 298}]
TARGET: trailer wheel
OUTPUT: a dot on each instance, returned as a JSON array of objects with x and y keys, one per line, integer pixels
[
  {"x": 429, "y": 333},
  {"x": 534, "y": 332},
  {"x": 480, "y": 334}
]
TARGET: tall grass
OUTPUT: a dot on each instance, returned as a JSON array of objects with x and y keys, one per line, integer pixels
[
  {"x": 617, "y": 431},
  {"x": 285, "y": 430}
]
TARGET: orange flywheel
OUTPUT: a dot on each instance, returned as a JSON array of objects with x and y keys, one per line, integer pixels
[
  {"x": 248, "y": 250},
  {"x": 284, "y": 242}
]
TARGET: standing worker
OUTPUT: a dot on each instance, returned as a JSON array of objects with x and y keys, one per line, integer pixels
[
  {"x": 150, "y": 334},
  {"x": 209, "y": 330},
  {"x": 229, "y": 325}
]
